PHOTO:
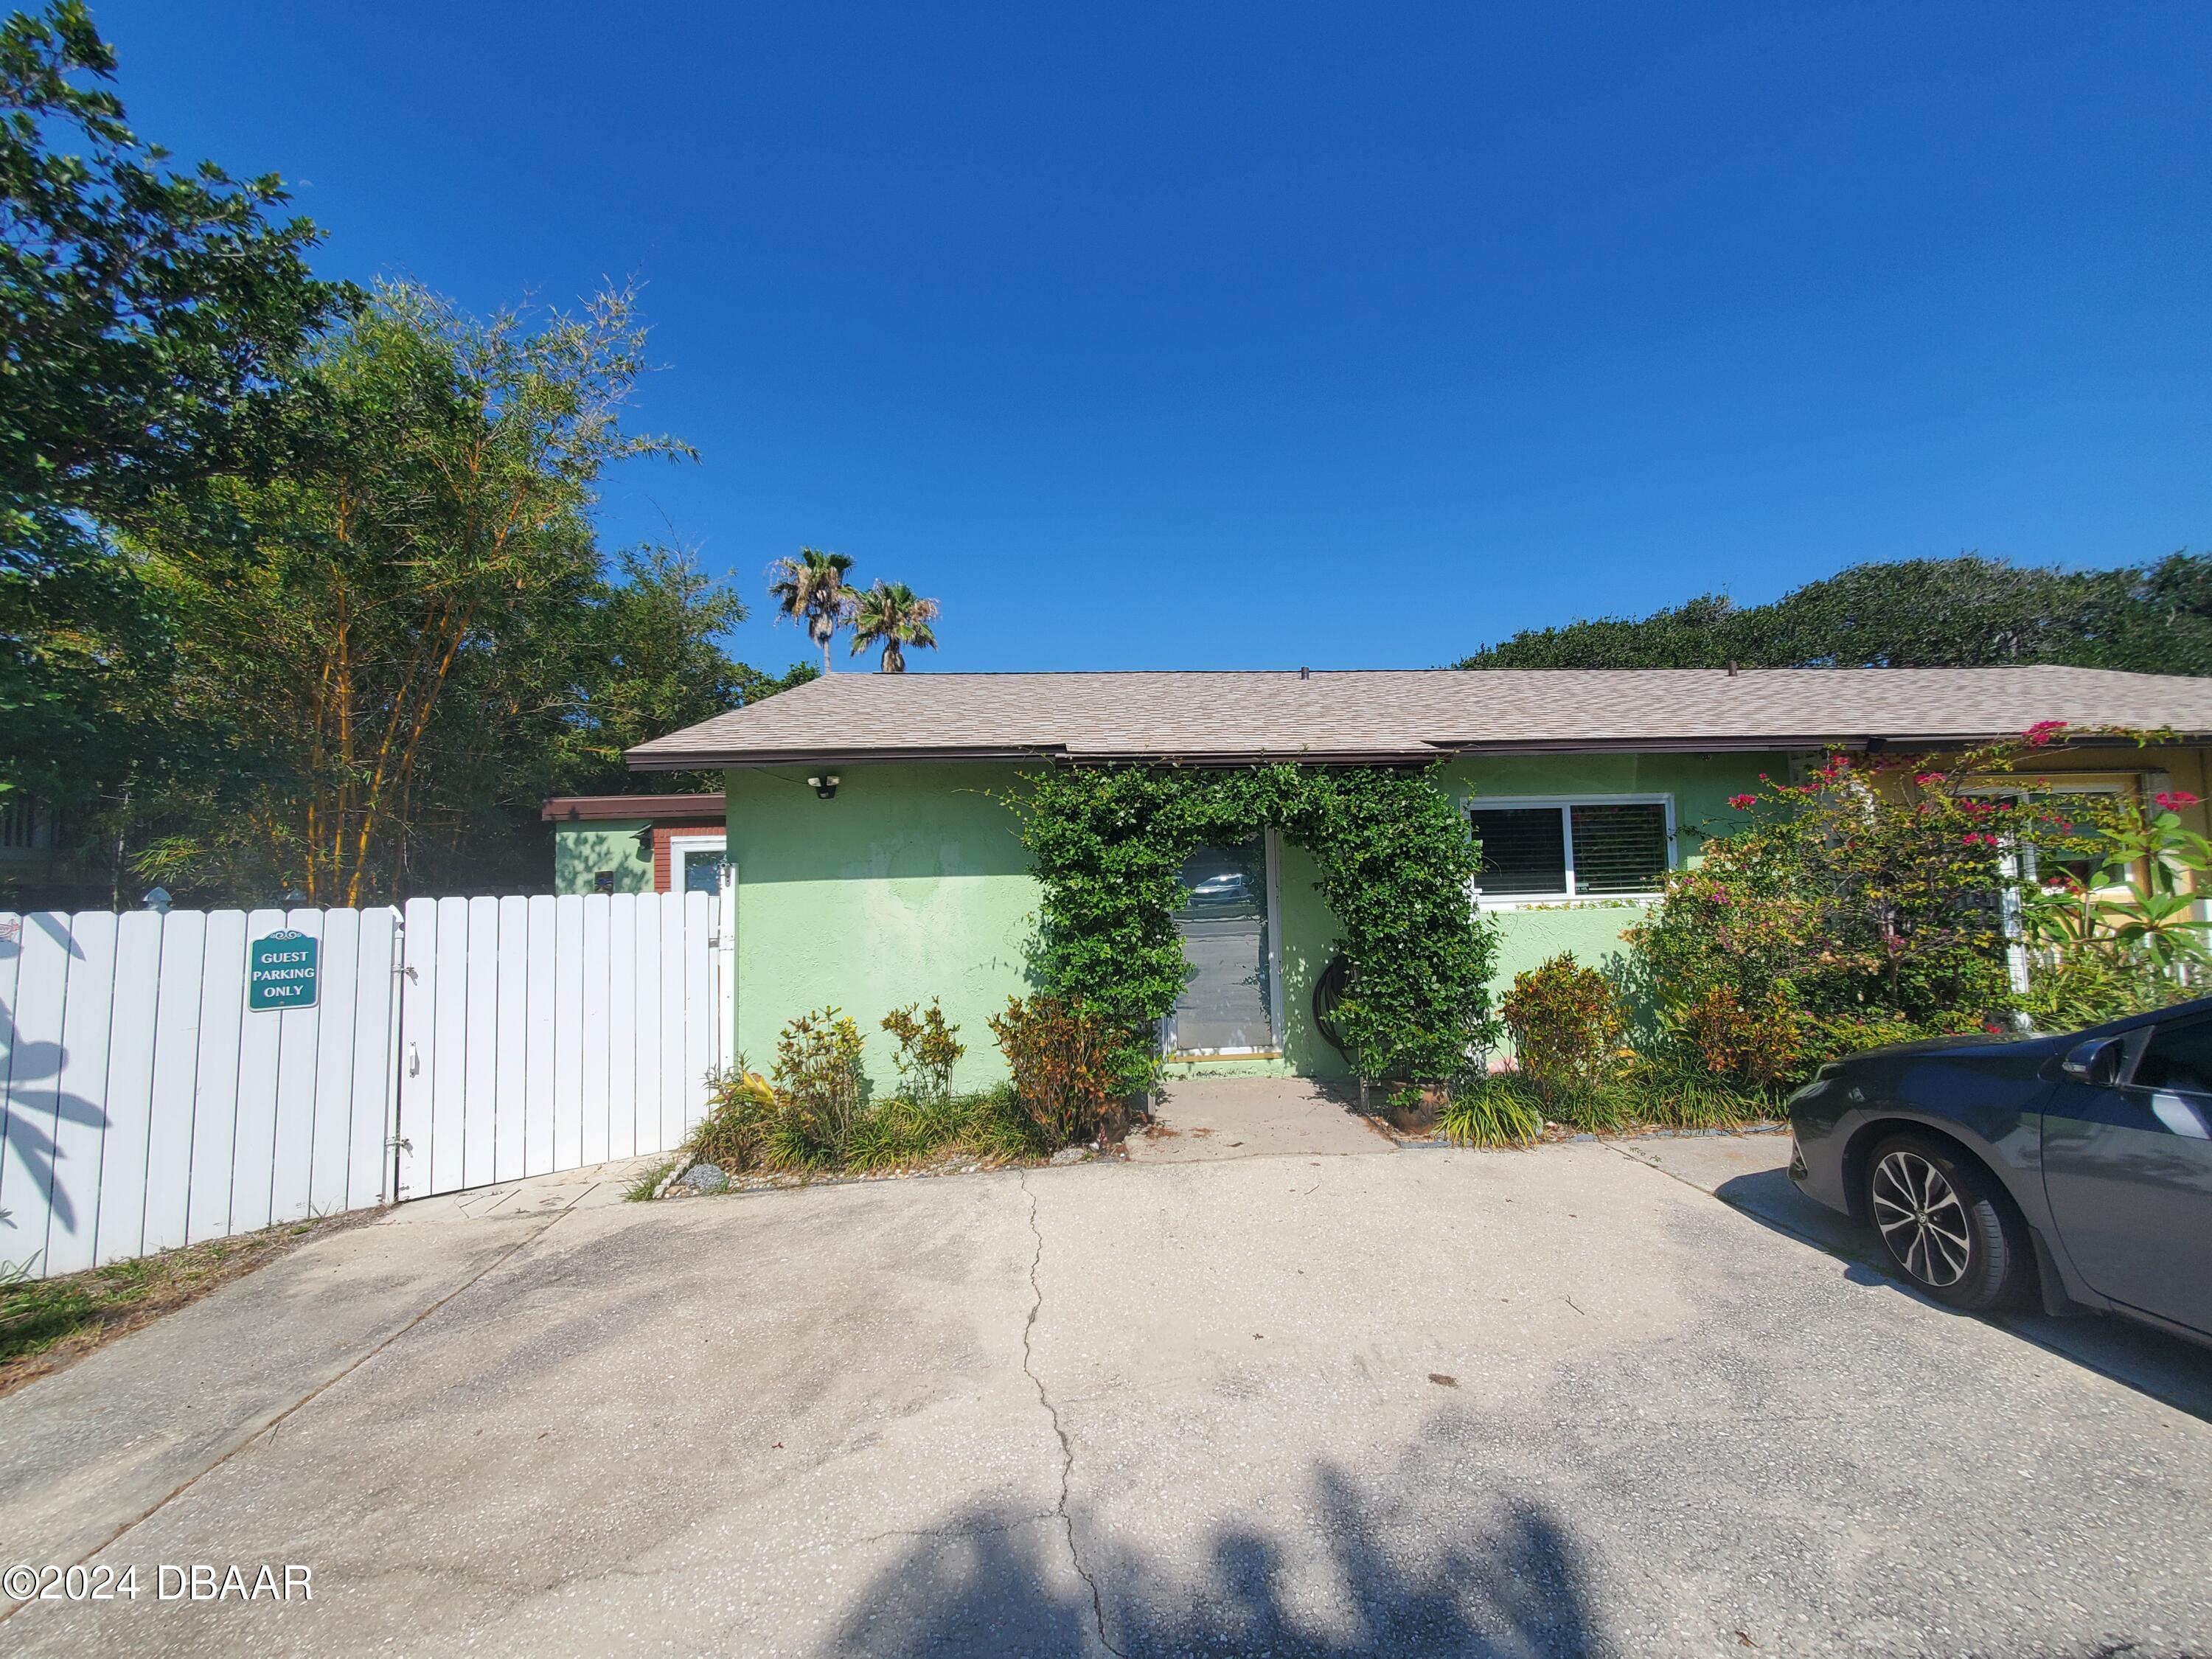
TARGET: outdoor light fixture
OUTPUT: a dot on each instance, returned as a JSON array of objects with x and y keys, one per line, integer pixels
[
  {"x": 157, "y": 900},
  {"x": 825, "y": 787}
]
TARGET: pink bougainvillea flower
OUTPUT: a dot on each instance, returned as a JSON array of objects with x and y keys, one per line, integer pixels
[
  {"x": 2043, "y": 732},
  {"x": 1742, "y": 802},
  {"x": 1926, "y": 778},
  {"x": 2172, "y": 800}
]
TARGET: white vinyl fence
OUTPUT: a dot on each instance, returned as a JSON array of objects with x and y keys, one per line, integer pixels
[
  {"x": 544, "y": 1033},
  {"x": 147, "y": 1108},
  {"x": 151, "y": 1100}
]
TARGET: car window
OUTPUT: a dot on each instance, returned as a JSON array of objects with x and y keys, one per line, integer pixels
[{"x": 2178, "y": 1056}]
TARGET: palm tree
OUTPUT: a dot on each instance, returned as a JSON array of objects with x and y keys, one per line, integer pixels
[
  {"x": 812, "y": 591},
  {"x": 890, "y": 612}
]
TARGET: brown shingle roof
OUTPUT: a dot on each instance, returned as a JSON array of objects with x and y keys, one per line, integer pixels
[{"x": 1393, "y": 715}]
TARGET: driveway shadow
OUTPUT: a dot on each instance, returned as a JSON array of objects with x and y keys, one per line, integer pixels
[
  {"x": 979, "y": 1585},
  {"x": 2165, "y": 1368}
]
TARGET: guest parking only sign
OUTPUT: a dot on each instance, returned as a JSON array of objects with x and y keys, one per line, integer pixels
[{"x": 279, "y": 971}]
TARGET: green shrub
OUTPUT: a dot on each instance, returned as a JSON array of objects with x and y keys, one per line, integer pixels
[
  {"x": 1566, "y": 1026},
  {"x": 749, "y": 1127},
  {"x": 1066, "y": 1062},
  {"x": 929, "y": 1047},
  {"x": 821, "y": 1085}
]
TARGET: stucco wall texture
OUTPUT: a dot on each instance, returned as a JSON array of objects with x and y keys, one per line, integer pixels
[
  {"x": 581, "y": 851},
  {"x": 913, "y": 883}
]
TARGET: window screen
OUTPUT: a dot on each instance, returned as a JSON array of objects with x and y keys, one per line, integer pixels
[
  {"x": 1524, "y": 850},
  {"x": 1226, "y": 1004},
  {"x": 1619, "y": 848}
]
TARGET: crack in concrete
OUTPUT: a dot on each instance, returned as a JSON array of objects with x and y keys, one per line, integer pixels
[{"x": 1066, "y": 1446}]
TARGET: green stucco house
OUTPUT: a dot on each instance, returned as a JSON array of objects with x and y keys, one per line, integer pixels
[
  {"x": 636, "y": 843},
  {"x": 871, "y": 830}
]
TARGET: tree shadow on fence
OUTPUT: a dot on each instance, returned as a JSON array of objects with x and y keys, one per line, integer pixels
[
  {"x": 25, "y": 1068},
  {"x": 991, "y": 1582}
]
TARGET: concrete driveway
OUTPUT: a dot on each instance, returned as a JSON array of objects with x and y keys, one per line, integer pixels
[{"x": 1560, "y": 1401}]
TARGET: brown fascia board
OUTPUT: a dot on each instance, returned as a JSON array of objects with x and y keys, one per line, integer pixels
[{"x": 577, "y": 809}]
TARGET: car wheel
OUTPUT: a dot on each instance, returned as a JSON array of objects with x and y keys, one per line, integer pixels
[{"x": 1942, "y": 1222}]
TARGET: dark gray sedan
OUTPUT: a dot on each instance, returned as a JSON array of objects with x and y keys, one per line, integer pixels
[{"x": 2077, "y": 1168}]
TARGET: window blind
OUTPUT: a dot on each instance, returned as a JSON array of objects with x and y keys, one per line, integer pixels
[
  {"x": 1524, "y": 850},
  {"x": 1619, "y": 848}
]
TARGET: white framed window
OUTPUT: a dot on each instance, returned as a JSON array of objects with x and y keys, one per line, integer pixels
[
  {"x": 2025, "y": 862},
  {"x": 694, "y": 862},
  {"x": 1550, "y": 849},
  {"x": 1230, "y": 924}
]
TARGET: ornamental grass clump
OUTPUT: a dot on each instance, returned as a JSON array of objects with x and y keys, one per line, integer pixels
[
  {"x": 734, "y": 1135},
  {"x": 1497, "y": 1110}
]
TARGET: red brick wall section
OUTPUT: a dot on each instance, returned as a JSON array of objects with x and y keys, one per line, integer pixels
[{"x": 660, "y": 871}]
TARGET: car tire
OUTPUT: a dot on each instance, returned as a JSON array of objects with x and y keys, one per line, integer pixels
[{"x": 1944, "y": 1224}]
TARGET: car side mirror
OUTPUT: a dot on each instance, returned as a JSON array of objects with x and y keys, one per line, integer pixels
[{"x": 2096, "y": 1062}]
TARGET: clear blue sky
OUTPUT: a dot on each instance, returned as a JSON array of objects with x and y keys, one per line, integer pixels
[{"x": 1221, "y": 337}]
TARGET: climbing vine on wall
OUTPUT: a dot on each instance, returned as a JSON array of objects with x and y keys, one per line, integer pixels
[{"x": 1395, "y": 859}]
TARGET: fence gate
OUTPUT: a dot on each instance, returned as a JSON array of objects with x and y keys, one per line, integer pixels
[{"x": 548, "y": 1033}]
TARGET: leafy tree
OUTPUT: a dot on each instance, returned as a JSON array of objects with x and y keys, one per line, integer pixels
[
  {"x": 890, "y": 612},
  {"x": 647, "y": 663},
  {"x": 1969, "y": 612},
  {"x": 151, "y": 318},
  {"x": 403, "y": 635},
  {"x": 811, "y": 590},
  {"x": 753, "y": 684}
]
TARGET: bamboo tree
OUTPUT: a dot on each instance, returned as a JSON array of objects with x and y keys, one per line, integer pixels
[{"x": 408, "y": 604}]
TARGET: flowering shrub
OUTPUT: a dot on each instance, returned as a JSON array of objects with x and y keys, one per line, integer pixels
[
  {"x": 1858, "y": 908},
  {"x": 1566, "y": 1025}
]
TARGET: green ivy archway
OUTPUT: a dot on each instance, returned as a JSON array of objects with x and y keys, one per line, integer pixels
[{"x": 1397, "y": 861}]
